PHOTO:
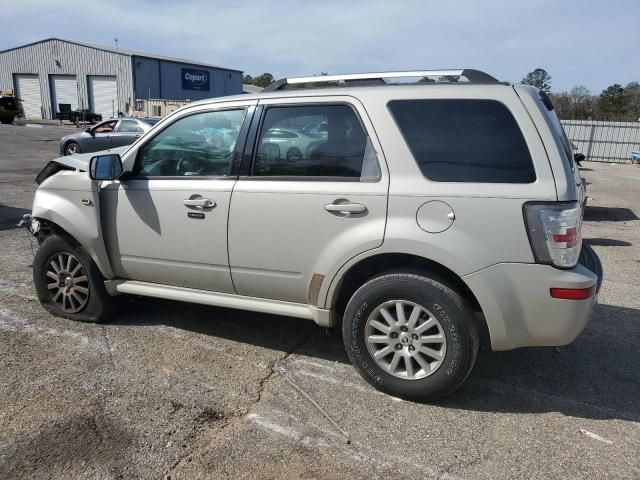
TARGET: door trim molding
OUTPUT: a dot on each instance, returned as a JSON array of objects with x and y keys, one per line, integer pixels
[{"x": 322, "y": 317}]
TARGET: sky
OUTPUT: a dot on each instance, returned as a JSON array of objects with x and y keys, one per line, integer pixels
[{"x": 579, "y": 42}]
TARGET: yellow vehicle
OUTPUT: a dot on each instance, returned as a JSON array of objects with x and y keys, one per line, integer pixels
[{"x": 9, "y": 106}]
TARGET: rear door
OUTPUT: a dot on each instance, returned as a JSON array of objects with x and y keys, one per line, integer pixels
[
  {"x": 301, "y": 208},
  {"x": 126, "y": 133}
]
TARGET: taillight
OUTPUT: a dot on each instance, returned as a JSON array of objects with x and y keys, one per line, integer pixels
[{"x": 555, "y": 232}]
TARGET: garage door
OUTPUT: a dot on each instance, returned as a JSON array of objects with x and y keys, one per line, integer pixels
[
  {"x": 28, "y": 90},
  {"x": 103, "y": 96},
  {"x": 64, "y": 89}
]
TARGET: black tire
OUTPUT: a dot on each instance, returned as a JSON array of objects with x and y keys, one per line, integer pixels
[
  {"x": 71, "y": 145},
  {"x": 7, "y": 121},
  {"x": 294, "y": 154},
  {"x": 99, "y": 304},
  {"x": 450, "y": 309}
]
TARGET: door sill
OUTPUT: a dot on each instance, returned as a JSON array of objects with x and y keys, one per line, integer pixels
[{"x": 322, "y": 317}]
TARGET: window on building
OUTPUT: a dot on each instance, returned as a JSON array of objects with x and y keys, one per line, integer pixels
[
  {"x": 156, "y": 110},
  {"x": 286, "y": 147},
  {"x": 201, "y": 144},
  {"x": 475, "y": 141}
]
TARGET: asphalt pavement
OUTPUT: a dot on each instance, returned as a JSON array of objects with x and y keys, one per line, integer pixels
[{"x": 172, "y": 390}]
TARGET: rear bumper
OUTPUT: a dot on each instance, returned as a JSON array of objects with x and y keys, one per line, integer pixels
[{"x": 518, "y": 307}]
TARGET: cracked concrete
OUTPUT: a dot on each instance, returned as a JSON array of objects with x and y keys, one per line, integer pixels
[{"x": 191, "y": 392}]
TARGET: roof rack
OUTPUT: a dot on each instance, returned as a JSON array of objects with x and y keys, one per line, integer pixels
[{"x": 378, "y": 78}]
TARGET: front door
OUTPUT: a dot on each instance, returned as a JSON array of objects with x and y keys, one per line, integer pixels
[
  {"x": 167, "y": 222},
  {"x": 101, "y": 136},
  {"x": 310, "y": 202}
]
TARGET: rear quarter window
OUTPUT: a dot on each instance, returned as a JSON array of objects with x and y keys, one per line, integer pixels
[{"x": 475, "y": 141}]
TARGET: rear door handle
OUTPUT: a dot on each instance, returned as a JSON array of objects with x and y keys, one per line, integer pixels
[
  {"x": 199, "y": 202},
  {"x": 345, "y": 208}
]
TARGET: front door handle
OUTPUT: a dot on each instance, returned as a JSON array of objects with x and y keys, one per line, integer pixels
[
  {"x": 199, "y": 202},
  {"x": 345, "y": 208}
]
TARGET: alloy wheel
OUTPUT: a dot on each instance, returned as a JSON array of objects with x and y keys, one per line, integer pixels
[
  {"x": 67, "y": 282},
  {"x": 405, "y": 339}
]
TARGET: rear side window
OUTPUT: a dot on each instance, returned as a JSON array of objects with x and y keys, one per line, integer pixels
[
  {"x": 475, "y": 141},
  {"x": 322, "y": 142}
]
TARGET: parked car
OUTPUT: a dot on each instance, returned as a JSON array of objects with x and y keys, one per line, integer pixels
[
  {"x": 280, "y": 144},
  {"x": 9, "y": 107},
  {"x": 431, "y": 221},
  {"x": 105, "y": 135},
  {"x": 318, "y": 130},
  {"x": 65, "y": 113}
]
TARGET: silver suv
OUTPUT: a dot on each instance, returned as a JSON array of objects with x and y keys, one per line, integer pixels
[{"x": 430, "y": 220}]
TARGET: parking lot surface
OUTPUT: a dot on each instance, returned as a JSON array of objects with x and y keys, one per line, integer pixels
[{"x": 173, "y": 390}]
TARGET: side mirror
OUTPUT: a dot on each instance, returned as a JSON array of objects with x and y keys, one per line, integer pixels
[
  {"x": 579, "y": 157},
  {"x": 105, "y": 167}
]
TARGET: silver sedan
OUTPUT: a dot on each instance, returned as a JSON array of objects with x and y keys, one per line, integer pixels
[{"x": 110, "y": 134}]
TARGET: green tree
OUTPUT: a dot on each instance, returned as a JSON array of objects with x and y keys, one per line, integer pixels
[
  {"x": 247, "y": 80},
  {"x": 263, "y": 80},
  {"x": 612, "y": 102},
  {"x": 632, "y": 94},
  {"x": 538, "y": 78}
]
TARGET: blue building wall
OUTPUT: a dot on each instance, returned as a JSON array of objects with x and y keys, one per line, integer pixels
[{"x": 154, "y": 78}]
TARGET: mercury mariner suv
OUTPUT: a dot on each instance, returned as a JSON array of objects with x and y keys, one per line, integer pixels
[{"x": 428, "y": 220}]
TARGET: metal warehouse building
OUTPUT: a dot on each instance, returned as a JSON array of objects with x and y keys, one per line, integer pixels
[{"x": 105, "y": 80}]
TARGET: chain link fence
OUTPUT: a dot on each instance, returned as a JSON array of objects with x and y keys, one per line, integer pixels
[{"x": 601, "y": 141}]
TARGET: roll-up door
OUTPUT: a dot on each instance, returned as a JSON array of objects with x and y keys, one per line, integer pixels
[
  {"x": 103, "y": 96},
  {"x": 28, "y": 90},
  {"x": 64, "y": 89}
]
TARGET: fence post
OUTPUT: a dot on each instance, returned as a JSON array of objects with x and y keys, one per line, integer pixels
[{"x": 590, "y": 146}]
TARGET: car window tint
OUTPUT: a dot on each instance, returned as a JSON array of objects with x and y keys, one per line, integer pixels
[
  {"x": 475, "y": 141},
  {"x": 202, "y": 144},
  {"x": 129, "y": 126},
  {"x": 292, "y": 145}
]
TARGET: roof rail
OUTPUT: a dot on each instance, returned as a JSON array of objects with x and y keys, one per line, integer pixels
[{"x": 378, "y": 78}]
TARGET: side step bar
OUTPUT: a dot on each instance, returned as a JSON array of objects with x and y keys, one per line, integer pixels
[{"x": 322, "y": 317}]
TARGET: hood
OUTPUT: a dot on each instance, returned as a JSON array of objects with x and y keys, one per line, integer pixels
[{"x": 80, "y": 161}]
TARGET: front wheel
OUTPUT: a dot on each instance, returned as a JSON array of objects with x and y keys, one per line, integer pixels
[
  {"x": 72, "y": 148},
  {"x": 411, "y": 336},
  {"x": 68, "y": 282}
]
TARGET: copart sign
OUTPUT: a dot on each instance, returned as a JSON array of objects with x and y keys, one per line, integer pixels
[{"x": 195, "y": 79}]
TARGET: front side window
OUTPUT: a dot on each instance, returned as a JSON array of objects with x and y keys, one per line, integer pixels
[
  {"x": 475, "y": 141},
  {"x": 201, "y": 144},
  {"x": 289, "y": 147},
  {"x": 105, "y": 127},
  {"x": 129, "y": 126}
]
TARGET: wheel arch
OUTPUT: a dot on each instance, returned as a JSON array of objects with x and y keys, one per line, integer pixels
[{"x": 366, "y": 268}]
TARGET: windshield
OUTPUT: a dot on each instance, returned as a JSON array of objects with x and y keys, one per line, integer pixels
[{"x": 150, "y": 121}]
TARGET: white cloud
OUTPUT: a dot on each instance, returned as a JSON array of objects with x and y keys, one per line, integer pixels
[{"x": 578, "y": 42}]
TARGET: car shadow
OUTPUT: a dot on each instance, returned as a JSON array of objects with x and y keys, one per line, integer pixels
[
  {"x": 10, "y": 216},
  {"x": 607, "y": 242},
  {"x": 608, "y": 214},
  {"x": 596, "y": 377}
]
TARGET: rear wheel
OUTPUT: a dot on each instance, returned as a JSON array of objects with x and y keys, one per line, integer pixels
[
  {"x": 68, "y": 282},
  {"x": 7, "y": 120},
  {"x": 294, "y": 154},
  {"x": 411, "y": 336},
  {"x": 71, "y": 148}
]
